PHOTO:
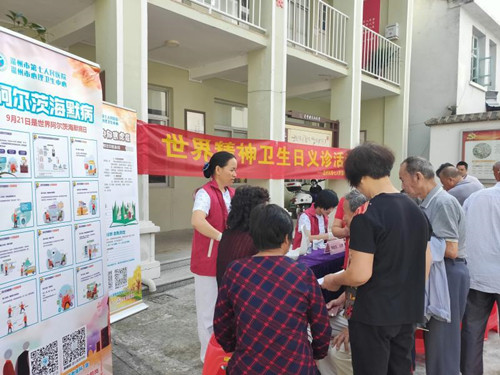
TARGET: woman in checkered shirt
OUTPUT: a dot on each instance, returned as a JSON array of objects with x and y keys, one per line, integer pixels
[{"x": 266, "y": 303}]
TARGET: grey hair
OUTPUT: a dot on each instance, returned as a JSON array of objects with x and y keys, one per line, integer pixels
[
  {"x": 355, "y": 199},
  {"x": 416, "y": 164}
]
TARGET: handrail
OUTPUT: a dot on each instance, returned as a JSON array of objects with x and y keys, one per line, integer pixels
[
  {"x": 318, "y": 27},
  {"x": 380, "y": 57},
  {"x": 248, "y": 12}
]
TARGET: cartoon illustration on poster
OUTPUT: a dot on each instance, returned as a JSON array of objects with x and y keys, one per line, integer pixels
[
  {"x": 52, "y": 202},
  {"x": 87, "y": 241},
  {"x": 119, "y": 167},
  {"x": 57, "y": 293},
  {"x": 18, "y": 307},
  {"x": 50, "y": 137},
  {"x": 17, "y": 256},
  {"x": 16, "y": 204},
  {"x": 89, "y": 282},
  {"x": 14, "y": 154},
  {"x": 54, "y": 248},
  {"x": 85, "y": 199},
  {"x": 51, "y": 156},
  {"x": 124, "y": 214},
  {"x": 84, "y": 157}
]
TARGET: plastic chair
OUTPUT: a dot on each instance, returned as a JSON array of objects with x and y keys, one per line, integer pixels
[
  {"x": 216, "y": 359},
  {"x": 492, "y": 321},
  {"x": 419, "y": 342}
]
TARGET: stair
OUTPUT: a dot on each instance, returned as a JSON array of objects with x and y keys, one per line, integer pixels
[{"x": 174, "y": 273}]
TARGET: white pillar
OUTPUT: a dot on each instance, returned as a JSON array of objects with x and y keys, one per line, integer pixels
[
  {"x": 267, "y": 88},
  {"x": 397, "y": 107},
  {"x": 121, "y": 50},
  {"x": 345, "y": 101}
]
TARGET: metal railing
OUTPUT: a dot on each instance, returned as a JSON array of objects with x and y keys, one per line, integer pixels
[
  {"x": 243, "y": 11},
  {"x": 318, "y": 27},
  {"x": 380, "y": 57}
]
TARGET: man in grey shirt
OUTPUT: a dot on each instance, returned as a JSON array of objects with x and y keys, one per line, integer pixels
[
  {"x": 442, "y": 342},
  {"x": 457, "y": 186}
]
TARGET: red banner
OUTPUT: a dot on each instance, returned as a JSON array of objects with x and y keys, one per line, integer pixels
[
  {"x": 167, "y": 151},
  {"x": 371, "y": 14}
]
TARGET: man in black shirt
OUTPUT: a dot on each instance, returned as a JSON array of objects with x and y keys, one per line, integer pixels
[{"x": 389, "y": 261}]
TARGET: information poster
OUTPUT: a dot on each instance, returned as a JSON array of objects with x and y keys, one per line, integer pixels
[
  {"x": 120, "y": 194},
  {"x": 481, "y": 150},
  {"x": 54, "y": 312}
]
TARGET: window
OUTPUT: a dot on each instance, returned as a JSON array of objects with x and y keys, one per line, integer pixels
[
  {"x": 159, "y": 106},
  {"x": 482, "y": 61},
  {"x": 159, "y": 112},
  {"x": 474, "y": 74},
  {"x": 231, "y": 119}
]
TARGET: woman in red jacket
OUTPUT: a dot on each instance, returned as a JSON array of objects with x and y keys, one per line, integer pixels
[{"x": 211, "y": 208}]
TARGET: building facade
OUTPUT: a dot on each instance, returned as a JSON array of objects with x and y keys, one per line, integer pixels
[
  {"x": 247, "y": 65},
  {"x": 454, "y": 68}
]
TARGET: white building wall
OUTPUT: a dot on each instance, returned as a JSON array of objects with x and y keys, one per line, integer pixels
[
  {"x": 433, "y": 69},
  {"x": 471, "y": 96},
  {"x": 446, "y": 143}
]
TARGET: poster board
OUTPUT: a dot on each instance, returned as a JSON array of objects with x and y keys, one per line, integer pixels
[
  {"x": 54, "y": 314},
  {"x": 121, "y": 210},
  {"x": 481, "y": 150},
  {"x": 312, "y": 136}
]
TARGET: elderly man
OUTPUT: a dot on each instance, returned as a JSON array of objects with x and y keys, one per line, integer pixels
[
  {"x": 455, "y": 185},
  {"x": 442, "y": 342},
  {"x": 388, "y": 259},
  {"x": 482, "y": 211}
]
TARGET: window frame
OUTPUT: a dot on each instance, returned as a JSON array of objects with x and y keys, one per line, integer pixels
[{"x": 153, "y": 180}]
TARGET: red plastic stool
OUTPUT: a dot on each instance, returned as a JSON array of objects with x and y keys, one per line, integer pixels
[
  {"x": 216, "y": 359},
  {"x": 492, "y": 321},
  {"x": 419, "y": 342}
]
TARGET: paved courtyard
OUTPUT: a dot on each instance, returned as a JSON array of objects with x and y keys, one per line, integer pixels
[{"x": 163, "y": 339}]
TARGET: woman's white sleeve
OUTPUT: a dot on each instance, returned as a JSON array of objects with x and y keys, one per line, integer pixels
[{"x": 202, "y": 201}]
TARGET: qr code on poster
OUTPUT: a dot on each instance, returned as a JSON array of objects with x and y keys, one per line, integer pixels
[
  {"x": 45, "y": 360},
  {"x": 110, "y": 279},
  {"x": 74, "y": 348},
  {"x": 120, "y": 277}
]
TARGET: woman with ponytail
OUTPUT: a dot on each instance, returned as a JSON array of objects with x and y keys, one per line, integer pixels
[{"x": 212, "y": 204}]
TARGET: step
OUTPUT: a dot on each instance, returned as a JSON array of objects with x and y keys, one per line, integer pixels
[
  {"x": 175, "y": 263},
  {"x": 174, "y": 274}
]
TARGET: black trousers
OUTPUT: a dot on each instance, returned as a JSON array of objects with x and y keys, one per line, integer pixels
[
  {"x": 381, "y": 350},
  {"x": 477, "y": 312}
]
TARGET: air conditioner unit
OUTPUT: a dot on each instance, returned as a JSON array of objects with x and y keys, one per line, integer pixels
[{"x": 392, "y": 31}]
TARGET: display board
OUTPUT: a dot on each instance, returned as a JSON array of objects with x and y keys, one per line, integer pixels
[
  {"x": 481, "y": 149},
  {"x": 121, "y": 211},
  {"x": 54, "y": 313}
]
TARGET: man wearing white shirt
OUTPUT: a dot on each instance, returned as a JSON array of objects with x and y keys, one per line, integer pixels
[
  {"x": 482, "y": 212},
  {"x": 463, "y": 167}
]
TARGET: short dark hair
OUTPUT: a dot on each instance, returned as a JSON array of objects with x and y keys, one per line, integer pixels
[
  {"x": 269, "y": 226},
  {"x": 245, "y": 198},
  {"x": 326, "y": 199},
  {"x": 461, "y": 162},
  {"x": 369, "y": 159},
  {"x": 219, "y": 159},
  {"x": 443, "y": 166},
  {"x": 416, "y": 164}
]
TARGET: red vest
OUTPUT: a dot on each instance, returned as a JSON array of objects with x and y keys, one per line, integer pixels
[
  {"x": 204, "y": 249},
  {"x": 311, "y": 213}
]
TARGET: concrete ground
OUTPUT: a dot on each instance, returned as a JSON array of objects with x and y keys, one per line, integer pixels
[{"x": 162, "y": 340}]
